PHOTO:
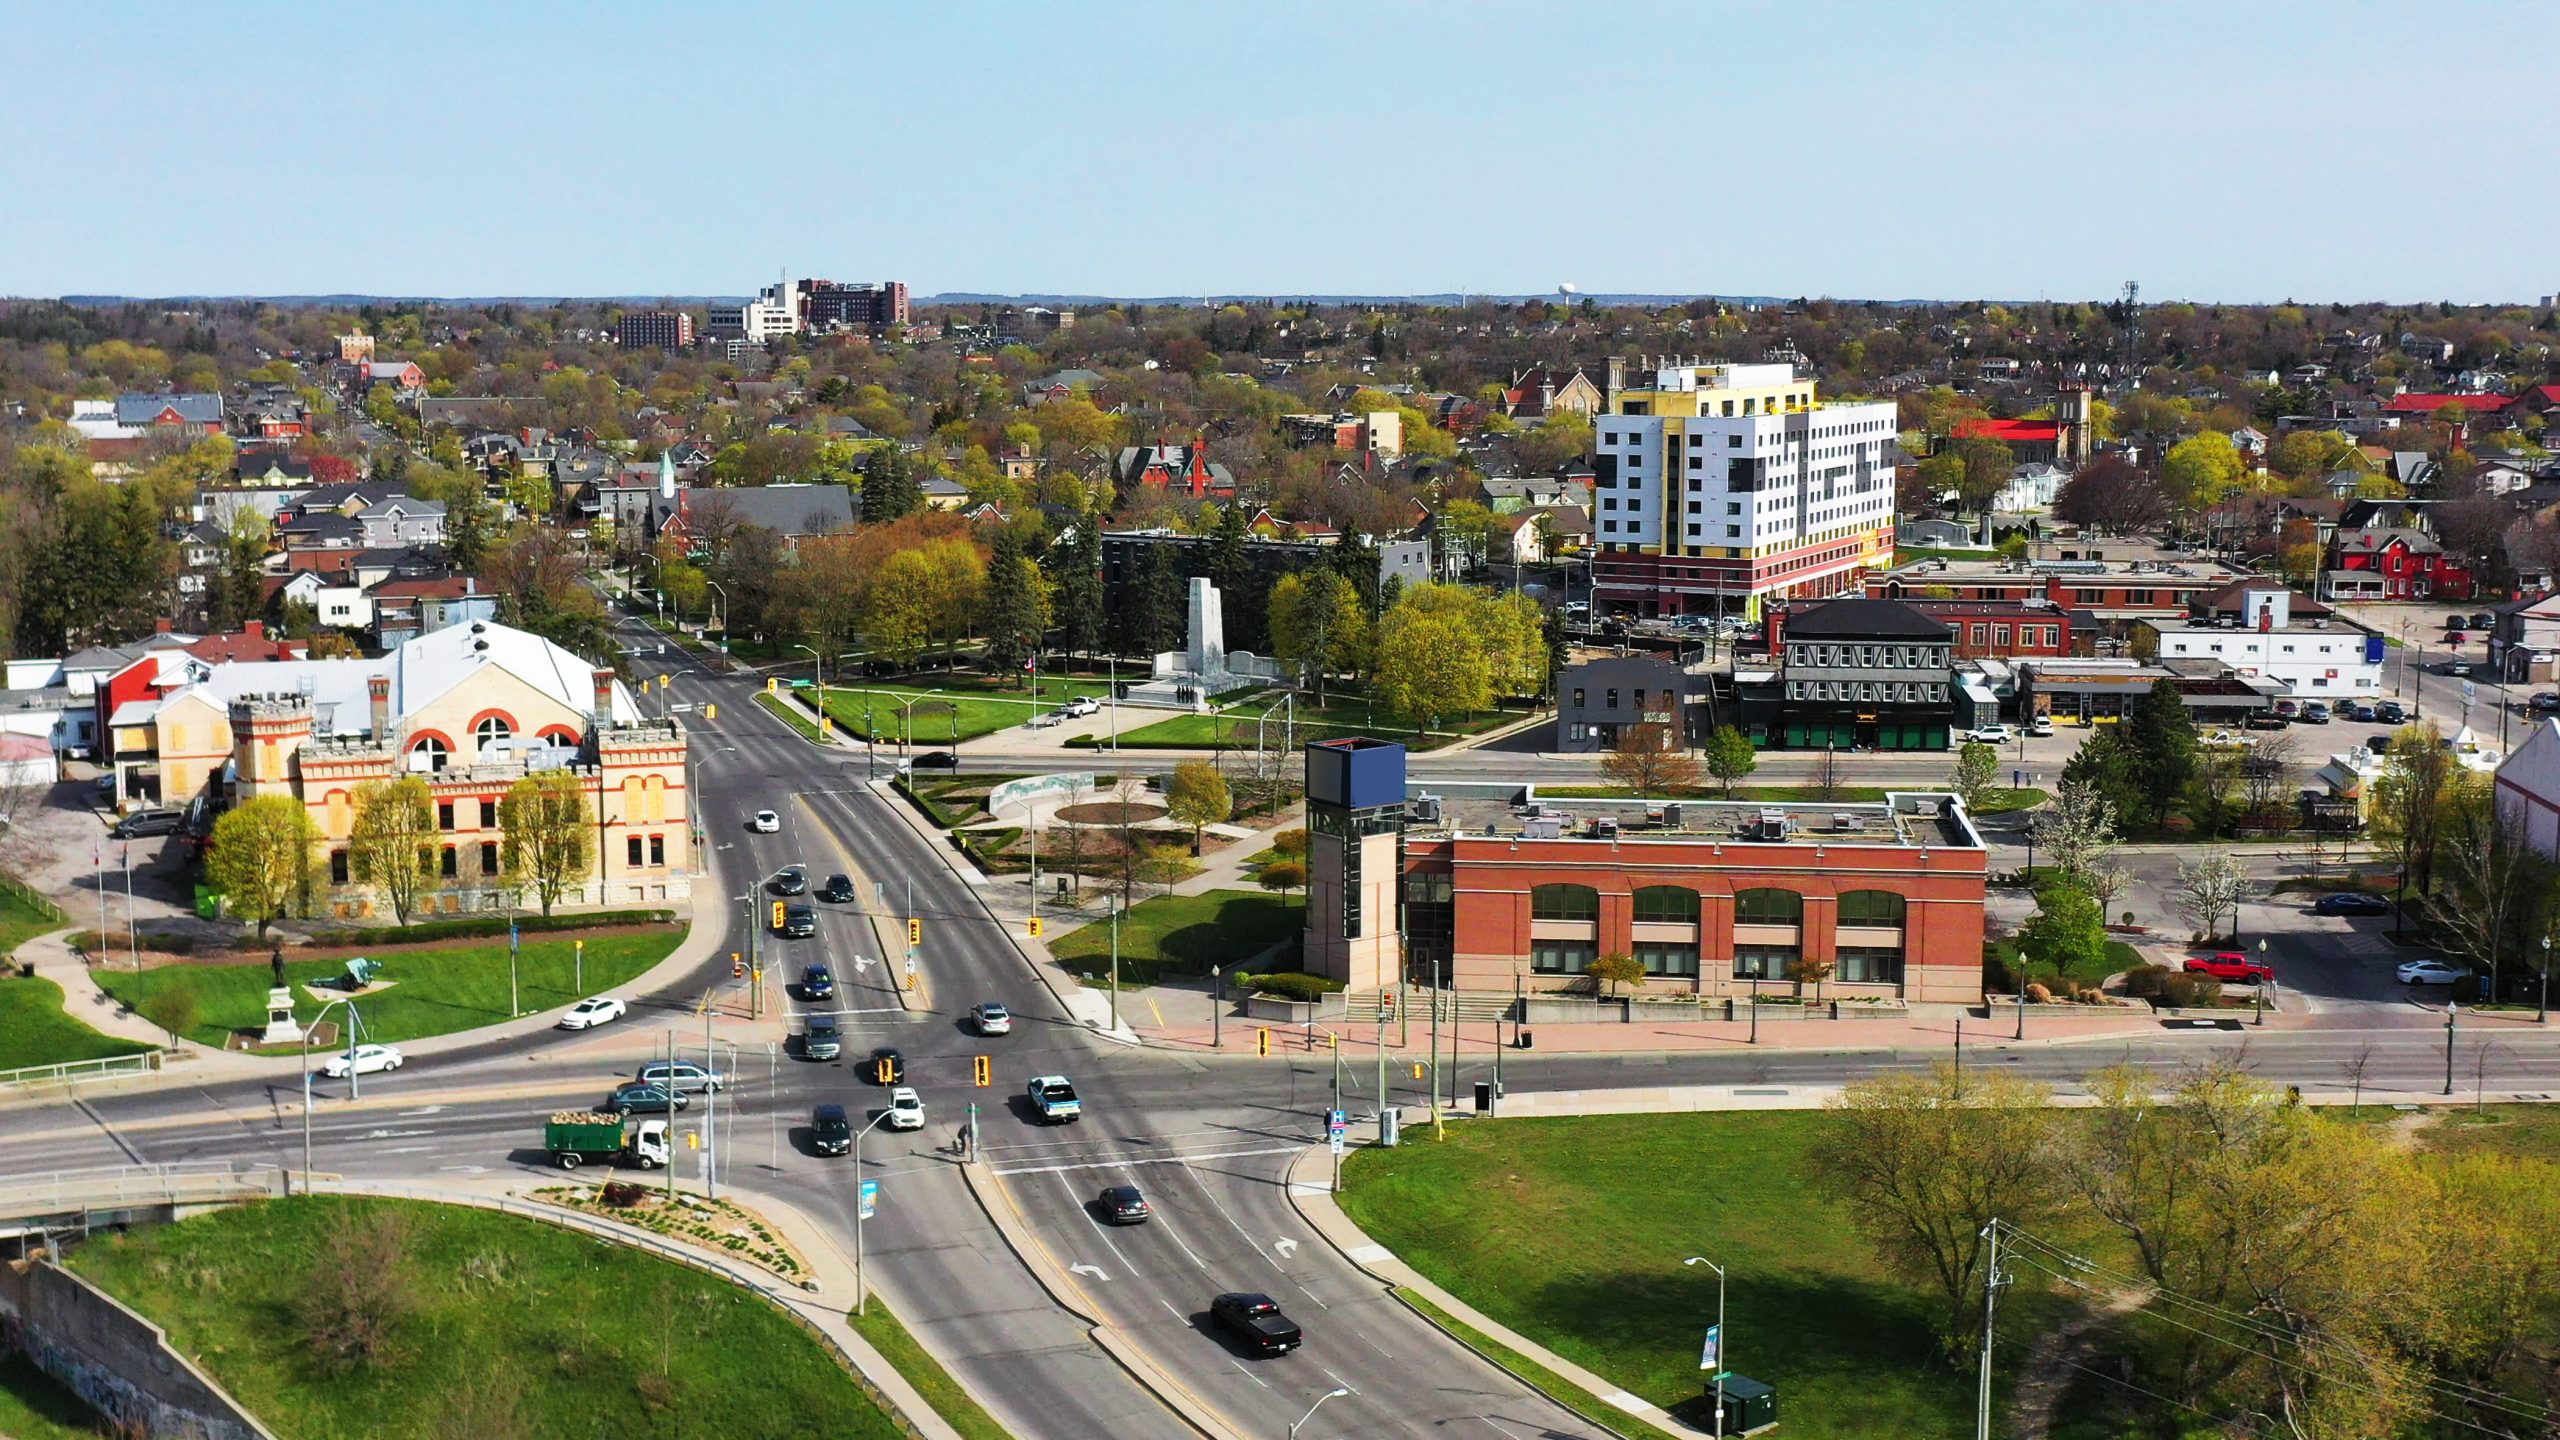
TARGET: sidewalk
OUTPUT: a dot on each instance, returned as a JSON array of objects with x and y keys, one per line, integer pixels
[{"x": 1475, "y": 1040}]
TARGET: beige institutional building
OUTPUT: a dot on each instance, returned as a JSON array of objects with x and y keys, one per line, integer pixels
[{"x": 471, "y": 709}]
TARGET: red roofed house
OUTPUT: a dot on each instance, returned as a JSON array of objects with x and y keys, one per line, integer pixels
[
  {"x": 2430, "y": 404},
  {"x": 250, "y": 642},
  {"x": 2030, "y": 440},
  {"x": 2408, "y": 566}
]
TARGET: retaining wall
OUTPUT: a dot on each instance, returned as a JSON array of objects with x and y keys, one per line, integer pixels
[{"x": 118, "y": 1362}]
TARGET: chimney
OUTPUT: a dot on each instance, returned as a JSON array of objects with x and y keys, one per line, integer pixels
[
  {"x": 377, "y": 688},
  {"x": 604, "y": 697},
  {"x": 254, "y": 629},
  {"x": 163, "y": 626}
]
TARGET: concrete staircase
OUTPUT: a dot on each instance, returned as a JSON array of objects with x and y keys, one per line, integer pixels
[{"x": 1469, "y": 1008}]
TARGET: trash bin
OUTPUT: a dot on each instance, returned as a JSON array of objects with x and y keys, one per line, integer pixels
[
  {"x": 1390, "y": 1126},
  {"x": 1484, "y": 1097},
  {"x": 1748, "y": 1404},
  {"x": 1523, "y": 1040}
]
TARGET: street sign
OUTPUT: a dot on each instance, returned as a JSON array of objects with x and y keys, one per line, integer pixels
[
  {"x": 870, "y": 1197},
  {"x": 1337, "y": 1127}
]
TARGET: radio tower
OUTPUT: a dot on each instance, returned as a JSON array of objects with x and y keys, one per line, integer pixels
[{"x": 2132, "y": 328}]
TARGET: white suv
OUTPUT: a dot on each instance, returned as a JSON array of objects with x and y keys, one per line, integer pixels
[{"x": 906, "y": 1109}]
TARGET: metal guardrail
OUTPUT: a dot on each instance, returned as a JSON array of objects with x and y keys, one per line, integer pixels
[
  {"x": 65, "y": 1191},
  {"x": 71, "y": 1072}
]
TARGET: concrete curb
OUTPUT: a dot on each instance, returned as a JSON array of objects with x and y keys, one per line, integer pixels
[
  {"x": 1311, "y": 1195},
  {"x": 988, "y": 1189}
]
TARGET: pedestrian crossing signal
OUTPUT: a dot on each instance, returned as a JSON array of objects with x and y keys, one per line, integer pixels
[
  {"x": 983, "y": 1070},
  {"x": 1035, "y": 927},
  {"x": 915, "y": 932}
]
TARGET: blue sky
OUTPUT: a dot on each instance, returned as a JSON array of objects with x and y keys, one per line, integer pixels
[{"x": 2213, "y": 151}]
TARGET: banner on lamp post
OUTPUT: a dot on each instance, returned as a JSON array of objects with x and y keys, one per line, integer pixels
[{"x": 1712, "y": 1354}]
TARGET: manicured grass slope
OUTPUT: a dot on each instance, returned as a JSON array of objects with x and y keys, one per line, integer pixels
[
  {"x": 35, "y": 1031},
  {"x": 582, "y": 1334},
  {"x": 439, "y": 991},
  {"x": 1572, "y": 1232},
  {"x": 1187, "y": 933},
  {"x": 21, "y": 922}
]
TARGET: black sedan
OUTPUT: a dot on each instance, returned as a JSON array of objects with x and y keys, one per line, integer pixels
[
  {"x": 2351, "y": 902},
  {"x": 793, "y": 881},
  {"x": 1123, "y": 1205},
  {"x": 838, "y": 890},
  {"x": 888, "y": 1067},
  {"x": 936, "y": 760}
]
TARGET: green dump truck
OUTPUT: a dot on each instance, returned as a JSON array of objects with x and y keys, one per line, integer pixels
[{"x": 574, "y": 1137}]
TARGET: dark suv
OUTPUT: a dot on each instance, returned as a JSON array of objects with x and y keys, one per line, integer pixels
[
  {"x": 821, "y": 1039},
  {"x": 799, "y": 922},
  {"x": 838, "y": 890},
  {"x": 817, "y": 982},
  {"x": 830, "y": 1132}
]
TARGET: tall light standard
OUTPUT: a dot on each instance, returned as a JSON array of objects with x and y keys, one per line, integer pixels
[
  {"x": 1335, "y": 1393},
  {"x": 1715, "y": 1349},
  {"x": 821, "y": 672},
  {"x": 656, "y": 588},
  {"x": 2542, "y": 1008},
  {"x": 724, "y": 615},
  {"x": 906, "y": 719},
  {"x": 1218, "y": 1001},
  {"x": 354, "y": 1085},
  {"x": 2258, "y": 992},
  {"x": 860, "y": 1294}
]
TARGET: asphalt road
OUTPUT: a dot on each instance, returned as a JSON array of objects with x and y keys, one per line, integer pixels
[{"x": 1206, "y": 1138}]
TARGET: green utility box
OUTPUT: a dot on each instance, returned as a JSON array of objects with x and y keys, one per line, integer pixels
[{"x": 1749, "y": 1406}]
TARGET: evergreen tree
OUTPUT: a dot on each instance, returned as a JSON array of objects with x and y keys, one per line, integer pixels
[
  {"x": 1011, "y": 606},
  {"x": 2106, "y": 764},
  {"x": 1356, "y": 560},
  {"x": 1075, "y": 580},
  {"x": 467, "y": 523},
  {"x": 2162, "y": 738},
  {"x": 1150, "y": 617},
  {"x": 1244, "y": 606},
  {"x": 890, "y": 490}
]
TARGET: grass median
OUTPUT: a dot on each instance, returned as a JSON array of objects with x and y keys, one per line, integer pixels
[
  {"x": 433, "y": 991},
  {"x": 1186, "y": 934},
  {"x": 497, "y": 1325}
]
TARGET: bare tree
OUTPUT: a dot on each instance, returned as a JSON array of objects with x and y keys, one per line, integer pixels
[
  {"x": 1649, "y": 760},
  {"x": 2208, "y": 886},
  {"x": 2353, "y": 1070},
  {"x": 2266, "y": 769},
  {"x": 2498, "y": 883}
]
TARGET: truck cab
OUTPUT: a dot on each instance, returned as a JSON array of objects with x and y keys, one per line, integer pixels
[{"x": 1053, "y": 1099}]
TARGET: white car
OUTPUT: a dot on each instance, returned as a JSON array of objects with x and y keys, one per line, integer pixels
[
  {"x": 2040, "y": 727},
  {"x": 2430, "y": 972},
  {"x": 1082, "y": 706},
  {"x": 368, "y": 1058},
  {"x": 765, "y": 823},
  {"x": 1989, "y": 735},
  {"x": 599, "y": 1010},
  {"x": 906, "y": 1109},
  {"x": 991, "y": 1018}
]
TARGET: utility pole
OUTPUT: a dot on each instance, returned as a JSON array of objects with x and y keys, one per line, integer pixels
[
  {"x": 1218, "y": 1004},
  {"x": 1439, "y": 1127},
  {"x": 670, "y": 1088},
  {"x": 1990, "y": 1304},
  {"x": 1115, "y": 964},
  {"x": 710, "y": 1106},
  {"x": 1382, "y": 1067},
  {"x": 2451, "y": 1012}
]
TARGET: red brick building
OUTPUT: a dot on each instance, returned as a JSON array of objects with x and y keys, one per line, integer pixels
[
  {"x": 2407, "y": 564},
  {"x": 1986, "y": 629},
  {"x": 1713, "y": 899}
]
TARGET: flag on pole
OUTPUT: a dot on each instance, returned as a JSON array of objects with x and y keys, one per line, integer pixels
[{"x": 1713, "y": 1354}]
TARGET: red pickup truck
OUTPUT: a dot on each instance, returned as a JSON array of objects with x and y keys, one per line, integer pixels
[{"x": 2230, "y": 965}]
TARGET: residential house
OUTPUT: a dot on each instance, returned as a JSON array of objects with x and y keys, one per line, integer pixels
[
  {"x": 136, "y": 414},
  {"x": 793, "y": 512},
  {"x": 2391, "y": 564},
  {"x": 1505, "y": 494},
  {"x": 2525, "y": 643},
  {"x": 1060, "y": 385},
  {"x": 1600, "y": 696},
  {"x": 270, "y": 470},
  {"x": 1186, "y": 468},
  {"x": 2528, "y": 788},
  {"x": 1378, "y": 433},
  {"x": 1537, "y": 393},
  {"x": 941, "y": 492},
  {"x": 402, "y": 520},
  {"x": 401, "y": 375}
]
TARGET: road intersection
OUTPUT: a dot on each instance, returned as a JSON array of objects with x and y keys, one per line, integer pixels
[{"x": 1061, "y": 1324}]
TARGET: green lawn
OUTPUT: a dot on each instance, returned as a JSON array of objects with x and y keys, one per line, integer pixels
[
  {"x": 1572, "y": 1232},
  {"x": 930, "y": 720},
  {"x": 440, "y": 990},
  {"x": 1994, "y": 802},
  {"x": 1209, "y": 732},
  {"x": 35, "y": 1031},
  {"x": 35, "y": 1406},
  {"x": 522, "y": 1328},
  {"x": 1186, "y": 934},
  {"x": 21, "y": 922}
]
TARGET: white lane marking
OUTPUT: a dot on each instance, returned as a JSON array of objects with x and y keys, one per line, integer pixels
[
  {"x": 1498, "y": 1425},
  {"x": 1249, "y": 1375},
  {"x": 404, "y": 1150},
  {"x": 1140, "y": 1160},
  {"x": 429, "y": 1110},
  {"x": 392, "y": 1134},
  {"x": 1093, "y": 1270},
  {"x": 1286, "y": 1248},
  {"x": 466, "y": 1169}
]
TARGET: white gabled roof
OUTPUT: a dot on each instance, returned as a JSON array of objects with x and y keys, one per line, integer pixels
[{"x": 421, "y": 671}]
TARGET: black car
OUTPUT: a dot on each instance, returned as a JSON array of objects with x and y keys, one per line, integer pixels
[
  {"x": 817, "y": 982},
  {"x": 2544, "y": 700},
  {"x": 640, "y": 1099},
  {"x": 936, "y": 760},
  {"x": 2456, "y": 622},
  {"x": 2315, "y": 713},
  {"x": 2484, "y": 620},
  {"x": 789, "y": 882},
  {"x": 1123, "y": 1205},
  {"x": 2357, "y": 710},
  {"x": 830, "y": 1132},
  {"x": 838, "y": 890},
  {"x": 1256, "y": 1323},
  {"x": 2351, "y": 902},
  {"x": 2391, "y": 712},
  {"x": 143, "y": 823},
  {"x": 799, "y": 922},
  {"x": 821, "y": 1039},
  {"x": 2379, "y": 744},
  {"x": 888, "y": 1067}
]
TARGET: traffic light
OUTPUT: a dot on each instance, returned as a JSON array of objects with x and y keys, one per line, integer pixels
[
  {"x": 1035, "y": 927},
  {"x": 915, "y": 932},
  {"x": 826, "y": 727},
  {"x": 664, "y": 681},
  {"x": 711, "y": 712},
  {"x": 1417, "y": 1069},
  {"x": 983, "y": 1070},
  {"x": 770, "y": 684},
  {"x": 883, "y": 1071},
  {"x": 777, "y": 914},
  {"x": 1262, "y": 1040},
  {"x": 737, "y": 966}
]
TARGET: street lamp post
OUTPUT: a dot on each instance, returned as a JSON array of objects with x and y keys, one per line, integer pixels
[
  {"x": 1333, "y": 1394},
  {"x": 2451, "y": 1013},
  {"x": 1218, "y": 1005},
  {"x": 2542, "y": 1008},
  {"x": 724, "y": 615},
  {"x": 2259, "y": 990},
  {"x": 354, "y": 1085},
  {"x": 820, "y": 671},
  {"x": 1710, "y": 1264},
  {"x": 860, "y": 1294},
  {"x": 906, "y": 720}
]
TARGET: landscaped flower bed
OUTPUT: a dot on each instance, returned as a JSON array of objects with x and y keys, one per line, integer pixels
[{"x": 711, "y": 1224}]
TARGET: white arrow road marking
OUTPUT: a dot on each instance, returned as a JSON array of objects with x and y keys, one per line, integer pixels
[
  {"x": 1093, "y": 1270},
  {"x": 392, "y": 1134},
  {"x": 1286, "y": 1248}
]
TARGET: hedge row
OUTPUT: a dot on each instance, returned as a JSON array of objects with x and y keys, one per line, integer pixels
[
  {"x": 1290, "y": 985},
  {"x": 477, "y": 926}
]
